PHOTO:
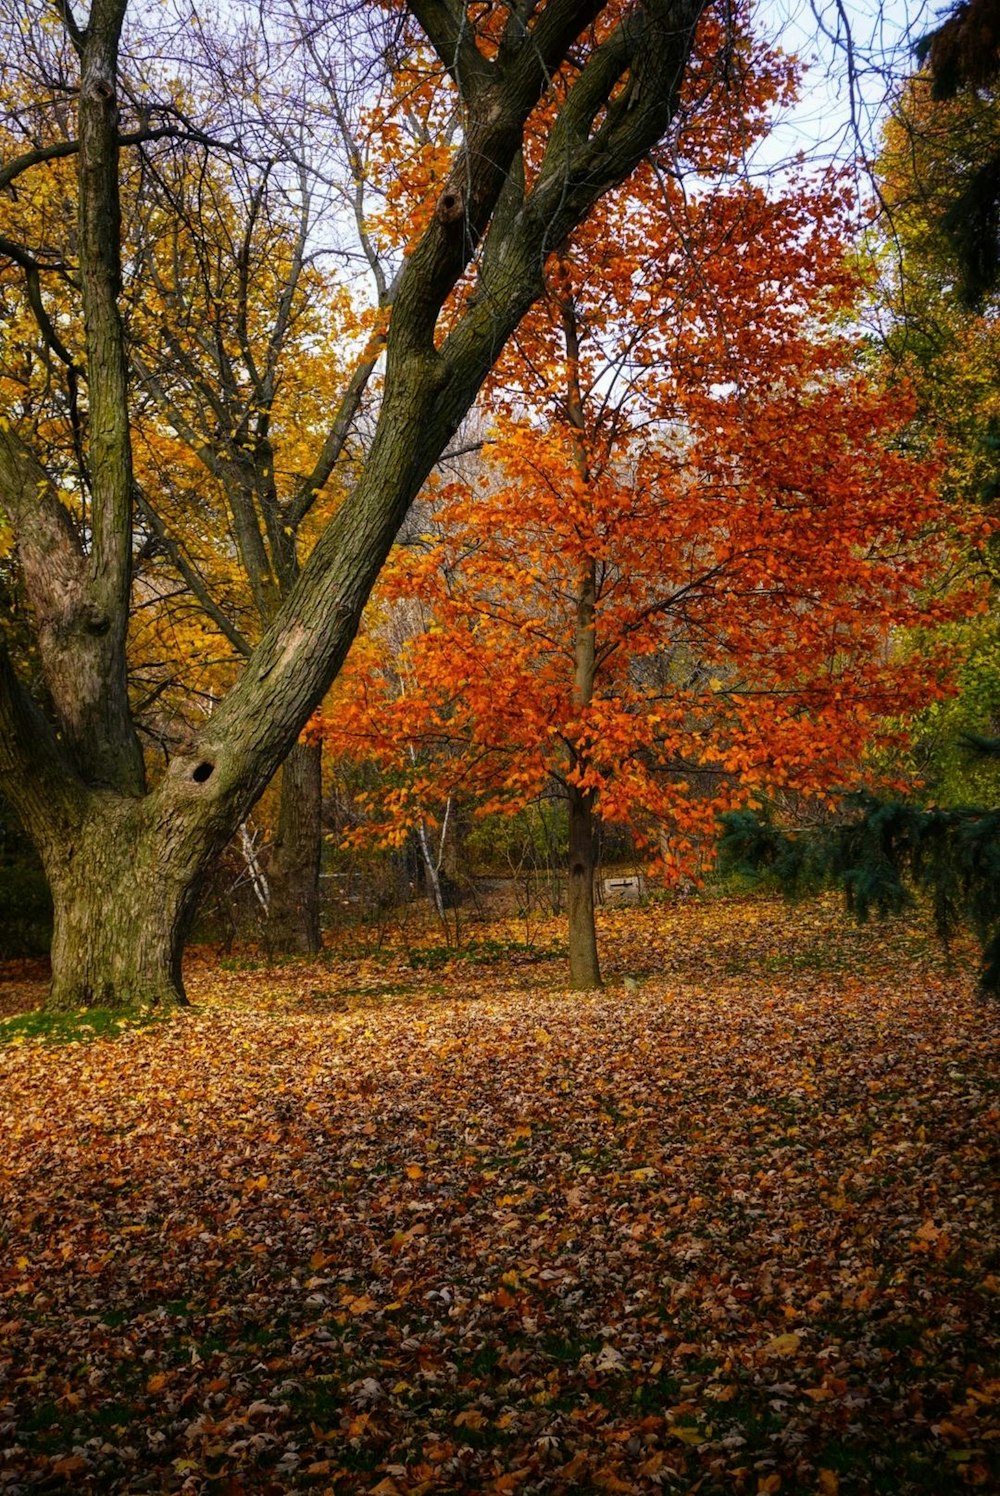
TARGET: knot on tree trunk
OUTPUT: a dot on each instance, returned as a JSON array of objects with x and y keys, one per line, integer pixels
[
  {"x": 450, "y": 206},
  {"x": 95, "y": 620}
]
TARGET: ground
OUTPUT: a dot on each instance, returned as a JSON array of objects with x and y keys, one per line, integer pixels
[{"x": 416, "y": 1221}]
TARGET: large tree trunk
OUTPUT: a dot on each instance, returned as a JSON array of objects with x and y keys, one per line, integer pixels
[
  {"x": 584, "y": 967},
  {"x": 293, "y": 875},
  {"x": 117, "y": 941},
  {"x": 123, "y": 887}
]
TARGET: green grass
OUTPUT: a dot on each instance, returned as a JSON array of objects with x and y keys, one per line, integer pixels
[{"x": 80, "y": 1027}]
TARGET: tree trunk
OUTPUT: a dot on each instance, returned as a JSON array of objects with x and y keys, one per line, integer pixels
[
  {"x": 584, "y": 968},
  {"x": 293, "y": 875},
  {"x": 120, "y": 915}
]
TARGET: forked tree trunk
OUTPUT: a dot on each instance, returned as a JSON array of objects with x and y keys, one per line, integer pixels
[
  {"x": 293, "y": 875},
  {"x": 584, "y": 967}
]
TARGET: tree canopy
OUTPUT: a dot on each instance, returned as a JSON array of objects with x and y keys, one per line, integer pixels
[{"x": 677, "y": 576}]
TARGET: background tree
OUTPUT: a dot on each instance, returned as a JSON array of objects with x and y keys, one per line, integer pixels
[
  {"x": 124, "y": 859},
  {"x": 676, "y": 582},
  {"x": 885, "y": 855},
  {"x": 936, "y": 250},
  {"x": 949, "y": 351},
  {"x": 233, "y": 338},
  {"x": 962, "y": 57}
]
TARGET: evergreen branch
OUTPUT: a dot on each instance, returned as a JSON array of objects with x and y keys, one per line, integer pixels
[{"x": 881, "y": 856}]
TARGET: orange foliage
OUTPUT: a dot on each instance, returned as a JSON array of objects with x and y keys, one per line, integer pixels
[{"x": 715, "y": 455}]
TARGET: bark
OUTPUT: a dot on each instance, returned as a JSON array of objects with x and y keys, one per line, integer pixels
[
  {"x": 109, "y": 568},
  {"x": 432, "y": 863},
  {"x": 293, "y": 875},
  {"x": 119, "y": 921},
  {"x": 584, "y": 966}
]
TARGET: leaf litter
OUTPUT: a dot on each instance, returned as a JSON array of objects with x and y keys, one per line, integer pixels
[{"x": 725, "y": 1228}]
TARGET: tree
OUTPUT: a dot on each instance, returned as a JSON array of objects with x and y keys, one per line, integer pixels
[
  {"x": 124, "y": 857},
  {"x": 232, "y": 335},
  {"x": 675, "y": 583},
  {"x": 962, "y": 57},
  {"x": 225, "y": 301},
  {"x": 945, "y": 339},
  {"x": 881, "y": 853},
  {"x": 936, "y": 250}
]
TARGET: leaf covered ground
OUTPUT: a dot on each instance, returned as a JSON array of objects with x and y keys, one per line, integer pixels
[{"x": 373, "y": 1225}]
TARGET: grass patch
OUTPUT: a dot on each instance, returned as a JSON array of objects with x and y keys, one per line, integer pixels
[{"x": 80, "y": 1027}]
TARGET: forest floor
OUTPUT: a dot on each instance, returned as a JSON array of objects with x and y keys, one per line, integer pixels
[{"x": 421, "y": 1220}]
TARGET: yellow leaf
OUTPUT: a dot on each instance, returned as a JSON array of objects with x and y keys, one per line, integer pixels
[
  {"x": 782, "y": 1345},
  {"x": 414, "y": 1171},
  {"x": 688, "y": 1434},
  {"x": 829, "y": 1483},
  {"x": 470, "y": 1418}
]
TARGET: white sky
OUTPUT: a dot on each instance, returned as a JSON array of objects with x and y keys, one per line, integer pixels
[{"x": 837, "y": 108}]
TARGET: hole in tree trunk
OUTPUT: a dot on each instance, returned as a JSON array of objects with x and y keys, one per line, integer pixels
[{"x": 201, "y": 772}]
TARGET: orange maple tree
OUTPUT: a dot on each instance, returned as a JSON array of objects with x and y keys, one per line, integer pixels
[{"x": 676, "y": 579}]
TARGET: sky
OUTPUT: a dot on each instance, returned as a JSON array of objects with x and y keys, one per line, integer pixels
[{"x": 856, "y": 50}]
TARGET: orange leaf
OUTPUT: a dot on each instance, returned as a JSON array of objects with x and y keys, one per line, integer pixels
[{"x": 71, "y": 1464}]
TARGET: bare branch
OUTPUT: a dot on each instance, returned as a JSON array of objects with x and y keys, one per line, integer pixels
[
  {"x": 63, "y": 148},
  {"x": 192, "y": 578}
]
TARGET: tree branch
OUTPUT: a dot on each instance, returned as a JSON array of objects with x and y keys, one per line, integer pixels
[
  {"x": 191, "y": 576},
  {"x": 59, "y": 150},
  {"x": 652, "y": 44},
  {"x": 445, "y": 24},
  {"x": 340, "y": 428}
]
